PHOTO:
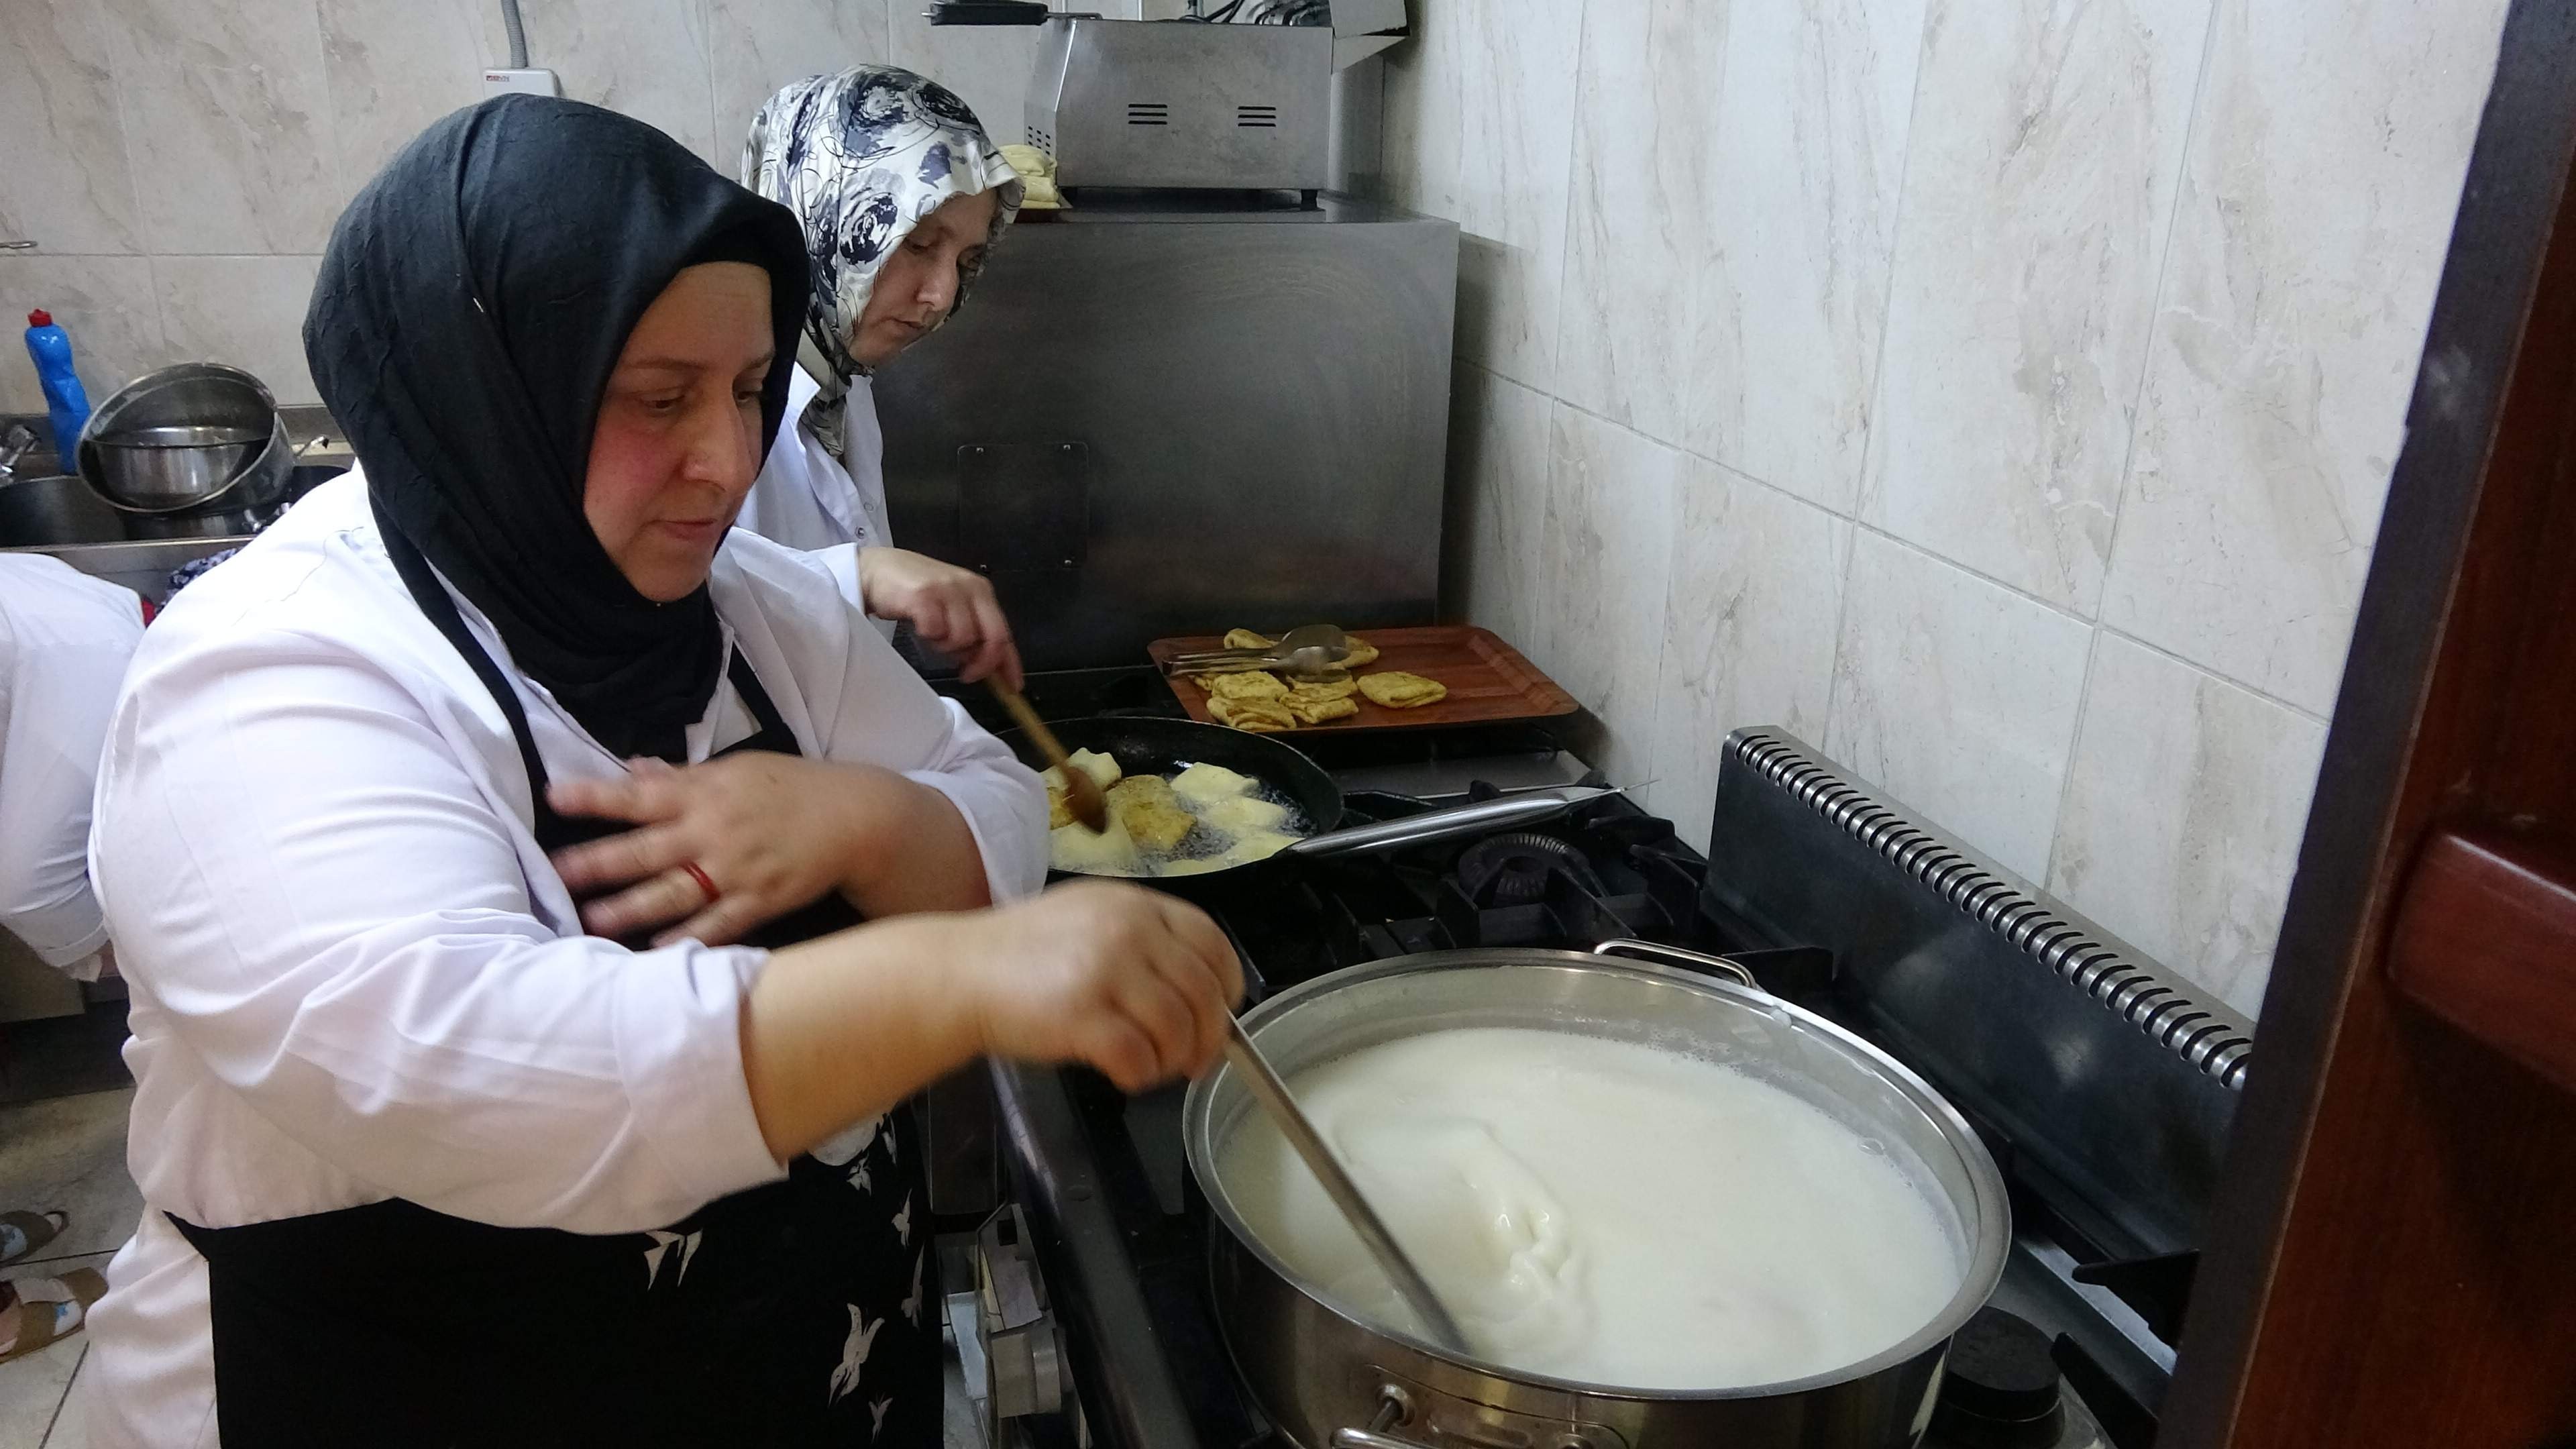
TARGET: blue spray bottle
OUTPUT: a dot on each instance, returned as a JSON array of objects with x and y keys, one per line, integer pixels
[{"x": 52, "y": 351}]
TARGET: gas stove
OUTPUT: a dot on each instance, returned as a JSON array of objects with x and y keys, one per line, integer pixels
[{"x": 2074, "y": 1347}]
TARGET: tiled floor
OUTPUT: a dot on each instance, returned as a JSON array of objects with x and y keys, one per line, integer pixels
[{"x": 66, "y": 1153}]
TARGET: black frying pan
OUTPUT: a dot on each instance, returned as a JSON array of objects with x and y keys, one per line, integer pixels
[{"x": 1146, "y": 746}]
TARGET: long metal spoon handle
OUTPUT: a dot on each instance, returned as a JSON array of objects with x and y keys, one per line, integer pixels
[{"x": 1272, "y": 1094}]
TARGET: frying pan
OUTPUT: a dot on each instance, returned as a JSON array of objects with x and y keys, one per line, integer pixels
[{"x": 1148, "y": 746}]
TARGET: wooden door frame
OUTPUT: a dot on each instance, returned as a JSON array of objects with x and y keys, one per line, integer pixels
[{"x": 2284, "y": 1316}]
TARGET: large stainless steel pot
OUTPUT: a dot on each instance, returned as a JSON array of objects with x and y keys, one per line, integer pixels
[
  {"x": 1330, "y": 1377},
  {"x": 199, "y": 436}
]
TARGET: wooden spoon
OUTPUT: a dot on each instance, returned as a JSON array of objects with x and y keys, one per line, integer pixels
[{"x": 1081, "y": 792}]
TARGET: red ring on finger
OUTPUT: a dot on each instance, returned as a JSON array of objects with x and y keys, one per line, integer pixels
[{"x": 698, "y": 873}]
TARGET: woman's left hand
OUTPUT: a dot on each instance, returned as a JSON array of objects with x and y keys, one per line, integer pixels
[
  {"x": 770, "y": 833},
  {"x": 951, "y": 609}
]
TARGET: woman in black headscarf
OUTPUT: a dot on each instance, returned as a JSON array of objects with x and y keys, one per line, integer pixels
[{"x": 425, "y": 825}]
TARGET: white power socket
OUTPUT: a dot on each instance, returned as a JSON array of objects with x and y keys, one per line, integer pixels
[{"x": 533, "y": 82}]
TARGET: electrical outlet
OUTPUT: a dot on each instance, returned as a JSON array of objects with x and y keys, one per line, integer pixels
[{"x": 534, "y": 82}]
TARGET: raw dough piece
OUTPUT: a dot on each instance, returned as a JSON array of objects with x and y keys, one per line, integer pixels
[
  {"x": 1200, "y": 786},
  {"x": 1243, "y": 815},
  {"x": 1260, "y": 716},
  {"x": 1075, "y": 849},
  {"x": 1152, "y": 814},
  {"x": 1251, "y": 684},
  {"x": 1396, "y": 689}
]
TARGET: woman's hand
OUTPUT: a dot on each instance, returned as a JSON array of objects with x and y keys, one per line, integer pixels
[
  {"x": 769, "y": 832},
  {"x": 951, "y": 609},
  {"x": 1134, "y": 983},
  {"x": 1131, "y": 981}
]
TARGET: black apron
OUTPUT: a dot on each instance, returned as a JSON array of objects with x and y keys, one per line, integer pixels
[{"x": 803, "y": 1312}]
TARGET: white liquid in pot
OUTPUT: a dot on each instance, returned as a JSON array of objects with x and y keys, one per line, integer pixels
[{"x": 1603, "y": 1211}]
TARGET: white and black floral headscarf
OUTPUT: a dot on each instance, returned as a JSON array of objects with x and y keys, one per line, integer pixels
[{"x": 861, "y": 157}]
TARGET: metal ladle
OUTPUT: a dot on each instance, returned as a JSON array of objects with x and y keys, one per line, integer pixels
[{"x": 1272, "y": 1094}]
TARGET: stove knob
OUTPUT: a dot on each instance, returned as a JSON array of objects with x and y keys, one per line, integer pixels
[{"x": 2001, "y": 1388}]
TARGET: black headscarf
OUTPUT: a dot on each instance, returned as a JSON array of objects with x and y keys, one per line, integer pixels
[{"x": 470, "y": 309}]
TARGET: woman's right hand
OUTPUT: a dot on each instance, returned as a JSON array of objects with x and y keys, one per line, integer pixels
[{"x": 1127, "y": 980}]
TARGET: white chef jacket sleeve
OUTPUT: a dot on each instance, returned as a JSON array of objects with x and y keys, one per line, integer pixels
[
  {"x": 884, "y": 714},
  {"x": 56, "y": 696},
  {"x": 301, "y": 871}
]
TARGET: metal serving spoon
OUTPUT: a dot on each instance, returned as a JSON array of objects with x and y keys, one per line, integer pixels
[{"x": 1272, "y": 1094}]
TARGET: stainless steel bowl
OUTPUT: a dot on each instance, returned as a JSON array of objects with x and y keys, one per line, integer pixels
[
  {"x": 178, "y": 438},
  {"x": 1329, "y": 1376},
  {"x": 192, "y": 462}
]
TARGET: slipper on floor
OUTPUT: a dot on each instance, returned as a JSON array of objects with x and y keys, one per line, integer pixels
[
  {"x": 50, "y": 1309},
  {"x": 24, "y": 1233}
]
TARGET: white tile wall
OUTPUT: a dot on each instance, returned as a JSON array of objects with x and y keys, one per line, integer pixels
[
  {"x": 1958, "y": 696},
  {"x": 198, "y": 142},
  {"x": 2184, "y": 806},
  {"x": 227, "y": 309},
  {"x": 2005, "y": 362},
  {"x": 1785, "y": 325},
  {"x": 1479, "y": 116},
  {"x": 1604, "y": 560},
  {"x": 1749, "y": 628},
  {"x": 2039, "y": 182},
  {"x": 107, "y": 306},
  {"x": 2316, "y": 209},
  {"x": 1498, "y": 511},
  {"x": 66, "y": 178}
]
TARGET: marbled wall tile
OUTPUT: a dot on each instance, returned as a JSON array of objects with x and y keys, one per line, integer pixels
[
  {"x": 395, "y": 66},
  {"x": 1605, "y": 558},
  {"x": 246, "y": 311},
  {"x": 1755, "y": 596},
  {"x": 1479, "y": 118},
  {"x": 105, "y": 303},
  {"x": 1497, "y": 504},
  {"x": 1958, "y": 697},
  {"x": 645, "y": 58},
  {"x": 64, "y": 182},
  {"x": 1638, "y": 238},
  {"x": 2040, "y": 176},
  {"x": 1802, "y": 177},
  {"x": 759, "y": 45},
  {"x": 2315, "y": 215},
  {"x": 986, "y": 65},
  {"x": 228, "y": 123},
  {"x": 2184, "y": 810}
]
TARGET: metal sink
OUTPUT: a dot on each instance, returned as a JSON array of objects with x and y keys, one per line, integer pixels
[{"x": 55, "y": 509}]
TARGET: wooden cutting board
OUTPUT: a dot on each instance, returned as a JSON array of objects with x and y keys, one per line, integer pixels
[{"x": 1488, "y": 680}]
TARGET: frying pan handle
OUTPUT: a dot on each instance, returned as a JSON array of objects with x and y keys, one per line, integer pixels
[
  {"x": 1675, "y": 956},
  {"x": 1520, "y": 808}
]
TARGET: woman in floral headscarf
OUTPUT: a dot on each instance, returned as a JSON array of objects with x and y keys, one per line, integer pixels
[{"x": 900, "y": 193}]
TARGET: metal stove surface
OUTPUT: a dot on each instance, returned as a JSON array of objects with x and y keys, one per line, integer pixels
[{"x": 1120, "y": 1232}]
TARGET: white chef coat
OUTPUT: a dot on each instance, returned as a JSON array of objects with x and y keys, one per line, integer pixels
[
  {"x": 812, "y": 502},
  {"x": 64, "y": 641},
  {"x": 355, "y": 975}
]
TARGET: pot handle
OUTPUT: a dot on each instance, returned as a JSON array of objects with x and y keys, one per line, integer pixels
[
  {"x": 1394, "y": 1406},
  {"x": 1519, "y": 808},
  {"x": 1676, "y": 956}
]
